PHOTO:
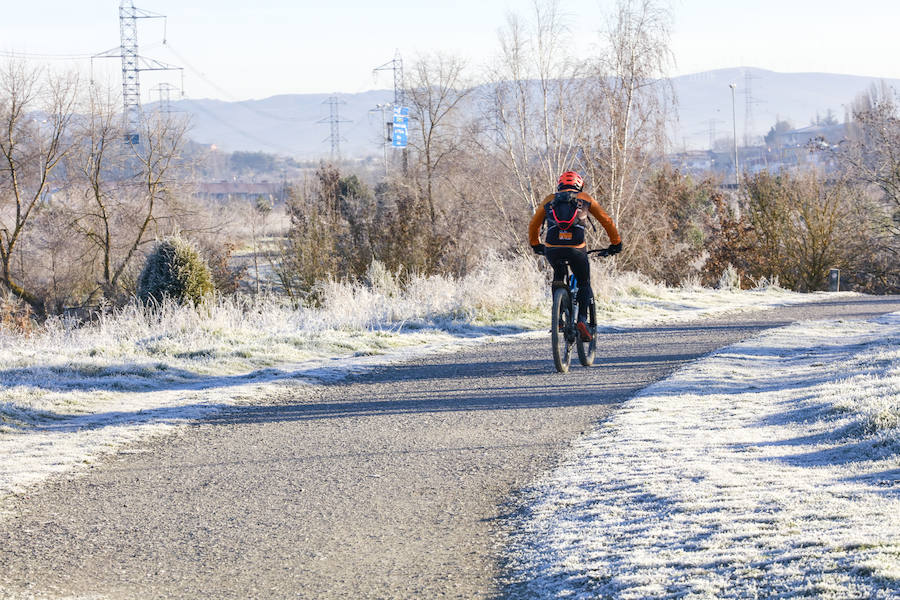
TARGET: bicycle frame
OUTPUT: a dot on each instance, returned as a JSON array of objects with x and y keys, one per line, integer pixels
[
  {"x": 573, "y": 291},
  {"x": 563, "y": 332}
]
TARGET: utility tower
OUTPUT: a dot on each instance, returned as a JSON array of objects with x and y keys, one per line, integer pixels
[
  {"x": 131, "y": 87},
  {"x": 132, "y": 64},
  {"x": 749, "y": 101},
  {"x": 386, "y": 133},
  {"x": 396, "y": 66},
  {"x": 334, "y": 119},
  {"x": 165, "y": 97},
  {"x": 711, "y": 129}
]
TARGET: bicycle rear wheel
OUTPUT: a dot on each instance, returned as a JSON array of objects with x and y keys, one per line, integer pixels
[
  {"x": 588, "y": 350},
  {"x": 561, "y": 329}
]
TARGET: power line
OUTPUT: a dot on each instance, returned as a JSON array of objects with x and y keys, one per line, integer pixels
[
  {"x": 40, "y": 56},
  {"x": 236, "y": 129},
  {"x": 227, "y": 94},
  {"x": 396, "y": 65}
]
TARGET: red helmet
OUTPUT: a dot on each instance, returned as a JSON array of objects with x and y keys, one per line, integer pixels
[{"x": 570, "y": 179}]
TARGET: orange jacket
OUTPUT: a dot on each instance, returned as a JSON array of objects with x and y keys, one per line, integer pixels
[{"x": 540, "y": 215}]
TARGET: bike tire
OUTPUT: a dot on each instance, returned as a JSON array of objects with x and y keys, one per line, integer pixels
[
  {"x": 560, "y": 329},
  {"x": 588, "y": 350}
]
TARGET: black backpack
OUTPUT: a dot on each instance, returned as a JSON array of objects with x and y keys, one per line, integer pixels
[{"x": 563, "y": 226}]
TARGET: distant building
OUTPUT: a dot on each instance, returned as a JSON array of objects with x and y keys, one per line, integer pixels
[
  {"x": 829, "y": 134},
  {"x": 693, "y": 162},
  {"x": 224, "y": 191}
]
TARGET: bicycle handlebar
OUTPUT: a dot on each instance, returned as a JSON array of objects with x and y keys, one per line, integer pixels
[{"x": 599, "y": 251}]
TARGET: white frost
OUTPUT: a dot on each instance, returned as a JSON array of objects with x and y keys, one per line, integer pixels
[
  {"x": 70, "y": 394},
  {"x": 769, "y": 469}
]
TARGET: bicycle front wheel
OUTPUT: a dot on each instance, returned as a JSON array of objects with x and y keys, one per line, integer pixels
[{"x": 561, "y": 329}]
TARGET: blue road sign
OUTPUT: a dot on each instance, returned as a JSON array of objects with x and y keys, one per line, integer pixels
[
  {"x": 401, "y": 136},
  {"x": 400, "y": 128}
]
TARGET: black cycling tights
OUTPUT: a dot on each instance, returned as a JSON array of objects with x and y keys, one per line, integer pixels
[{"x": 581, "y": 267}]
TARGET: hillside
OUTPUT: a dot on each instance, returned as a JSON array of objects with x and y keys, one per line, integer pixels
[
  {"x": 288, "y": 124},
  {"x": 297, "y": 124}
]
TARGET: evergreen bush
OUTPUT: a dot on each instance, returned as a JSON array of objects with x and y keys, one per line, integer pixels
[{"x": 175, "y": 270}]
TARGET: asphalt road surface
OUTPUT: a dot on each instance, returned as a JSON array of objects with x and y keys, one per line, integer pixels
[{"x": 393, "y": 484}]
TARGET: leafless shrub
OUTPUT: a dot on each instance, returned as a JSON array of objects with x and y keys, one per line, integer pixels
[
  {"x": 793, "y": 227},
  {"x": 15, "y": 316},
  {"x": 732, "y": 247},
  {"x": 675, "y": 218},
  {"x": 308, "y": 254}
]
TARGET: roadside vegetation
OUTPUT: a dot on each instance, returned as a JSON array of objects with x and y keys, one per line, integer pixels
[
  {"x": 132, "y": 356},
  {"x": 81, "y": 210}
]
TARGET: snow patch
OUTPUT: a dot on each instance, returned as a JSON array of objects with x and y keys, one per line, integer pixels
[{"x": 768, "y": 469}]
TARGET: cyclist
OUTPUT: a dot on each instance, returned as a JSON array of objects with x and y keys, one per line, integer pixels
[{"x": 565, "y": 240}]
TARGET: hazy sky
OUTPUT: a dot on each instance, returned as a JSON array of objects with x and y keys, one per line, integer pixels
[{"x": 254, "y": 49}]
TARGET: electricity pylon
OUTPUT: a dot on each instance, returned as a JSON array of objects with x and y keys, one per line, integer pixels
[
  {"x": 396, "y": 66},
  {"x": 334, "y": 119},
  {"x": 132, "y": 64}
]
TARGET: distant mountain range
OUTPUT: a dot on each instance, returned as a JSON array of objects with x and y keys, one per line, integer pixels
[
  {"x": 705, "y": 102},
  {"x": 298, "y": 125}
]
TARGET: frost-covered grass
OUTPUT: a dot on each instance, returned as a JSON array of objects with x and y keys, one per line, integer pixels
[
  {"x": 770, "y": 469},
  {"x": 69, "y": 392}
]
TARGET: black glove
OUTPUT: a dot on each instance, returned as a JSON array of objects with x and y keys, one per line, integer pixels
[
  {"x": 614, "y": 249},
  {"x": 538, "y": 248}
]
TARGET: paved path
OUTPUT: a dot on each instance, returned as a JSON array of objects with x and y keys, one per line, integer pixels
[{"x": 389, "y": 485}]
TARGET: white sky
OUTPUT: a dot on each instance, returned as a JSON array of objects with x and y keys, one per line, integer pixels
[{"x": 238, "y": 50}]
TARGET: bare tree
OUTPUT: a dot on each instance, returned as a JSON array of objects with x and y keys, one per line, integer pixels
[
  {"x": 871, "y": 156},
  {"x": 819, "y": 211},
  {"x": 121, "y": 192},
  {"x": 604, "y": 115},
  {"x": 94, "y": 167},
  {"x": 537, "y": 104},
  {"x": 873, "y": 151},
  {"x": 632, "y": 99},
  {"x": 36, "y": 108},
  {"x": 437, "y": 92}
]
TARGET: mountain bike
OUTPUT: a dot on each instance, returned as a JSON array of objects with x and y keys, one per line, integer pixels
[{"x": 563, "y": 319}]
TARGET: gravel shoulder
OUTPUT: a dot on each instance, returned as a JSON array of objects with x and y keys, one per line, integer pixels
[{"x": 392, "y": 484}]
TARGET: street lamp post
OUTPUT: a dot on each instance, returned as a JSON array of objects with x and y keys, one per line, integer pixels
[
  {"x": 384, "y": 137},
  {"x": 737, "y": 171}
]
